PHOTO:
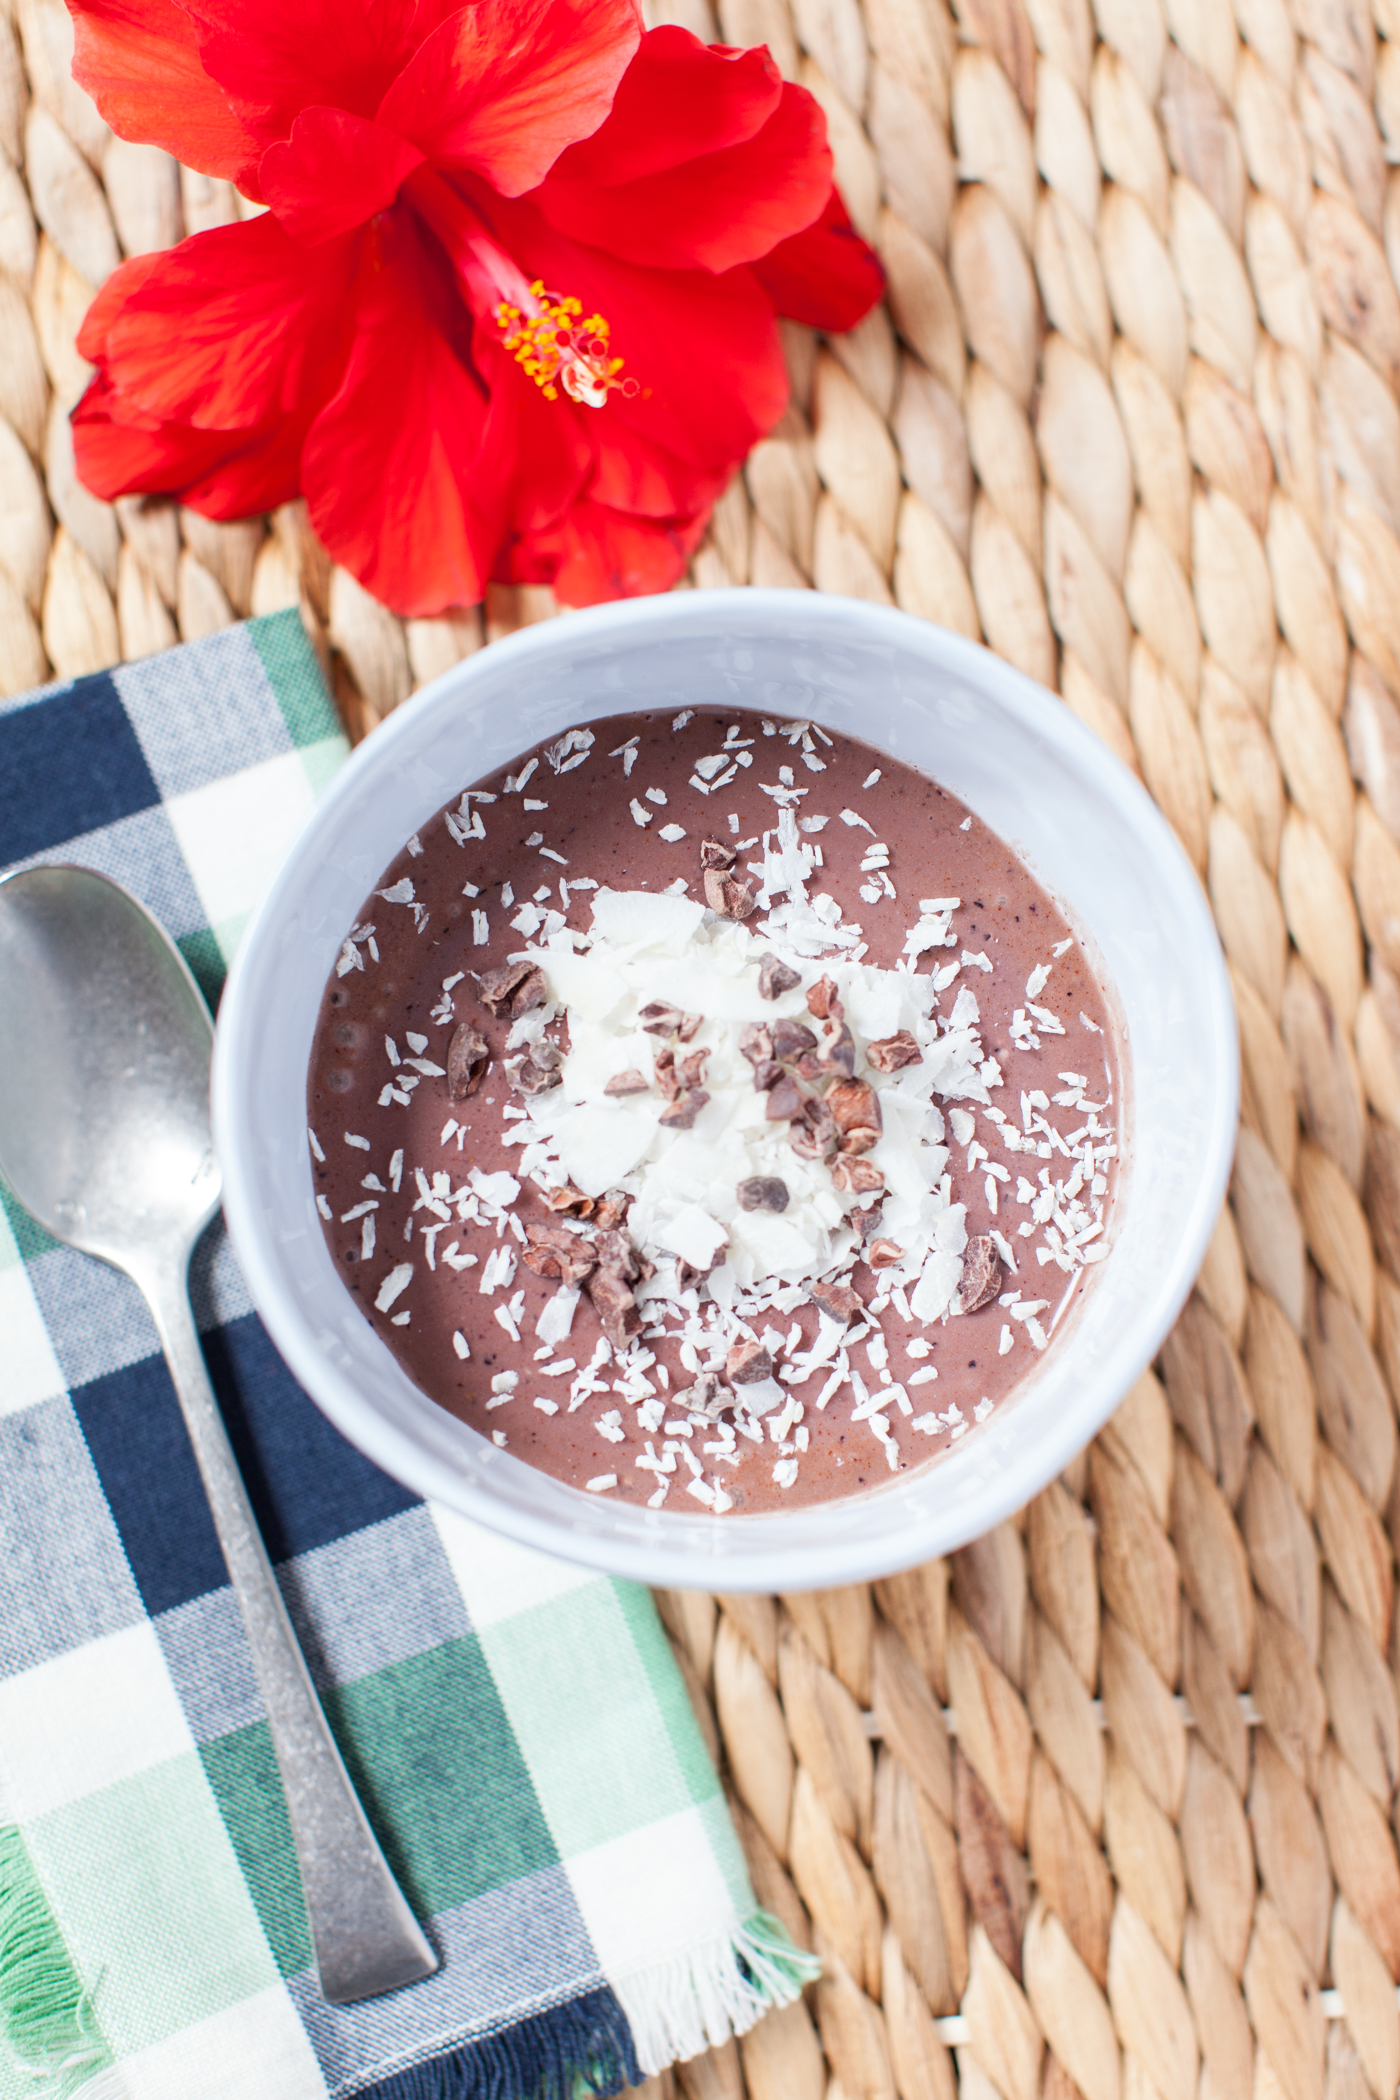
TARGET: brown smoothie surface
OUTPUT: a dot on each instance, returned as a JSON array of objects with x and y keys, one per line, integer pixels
[{"x": 679, "y": 1086}]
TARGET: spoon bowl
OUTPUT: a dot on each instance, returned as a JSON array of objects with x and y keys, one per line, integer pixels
[
  {"x": 105, "y": 1045},
  {"x": 104, "y": 1136}
]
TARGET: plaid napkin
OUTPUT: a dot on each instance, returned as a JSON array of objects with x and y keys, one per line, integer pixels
[{"x": 516, "y": 1727}]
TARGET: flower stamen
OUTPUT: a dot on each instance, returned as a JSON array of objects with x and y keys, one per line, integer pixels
[{"x": 558, "y": 347}]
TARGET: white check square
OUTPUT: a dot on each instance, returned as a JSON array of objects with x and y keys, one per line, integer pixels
[
  {"x": 32, "y": 1371},
  {"x": 85, "y": 1719},
  {"x": 235, "y": 833},
  {"x": 627, "y": 1890},
  {"x": 249, "y": 2051},
  {"x": 497, "y": 1578}
]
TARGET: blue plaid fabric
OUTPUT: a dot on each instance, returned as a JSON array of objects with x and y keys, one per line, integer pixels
[{"x": 516, "y": 1727}]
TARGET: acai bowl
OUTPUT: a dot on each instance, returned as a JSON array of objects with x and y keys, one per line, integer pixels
[{"x": 801, "y": 691}]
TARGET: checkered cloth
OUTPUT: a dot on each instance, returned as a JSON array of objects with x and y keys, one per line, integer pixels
[{"x": 516, "y": 1727}]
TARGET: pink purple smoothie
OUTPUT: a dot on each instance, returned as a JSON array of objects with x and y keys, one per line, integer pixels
[{"x": 443, "y": 1180}]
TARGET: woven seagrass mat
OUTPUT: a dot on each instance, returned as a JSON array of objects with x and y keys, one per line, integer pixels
[{"x": 1108, "y": 1801}]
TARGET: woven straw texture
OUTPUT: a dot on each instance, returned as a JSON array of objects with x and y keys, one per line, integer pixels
[{"x": 1106, "y": 1803}]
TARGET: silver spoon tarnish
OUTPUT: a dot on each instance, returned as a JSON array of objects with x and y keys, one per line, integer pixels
[{"x": 104, "y": 1136}]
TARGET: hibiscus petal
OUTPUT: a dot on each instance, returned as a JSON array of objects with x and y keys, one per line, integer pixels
[
  {"x": 111, "y": 301},
  {"x": 634, "y": 473},
  {"x": 334, "y": 172},
  {"x": 597, "y": 553},
  {"x": 275, "y": 58},
  {"x": 711, "y": 213},
  {"x": 704, "y": 352},
  {"x": 678, "y": 99},
  {"x": 536, "y": 456},
  {"x": 230, "y": 329},
  {"x": 827, "y": 276},
  {"x": 388, "y": 467},
  {"x": 139, "y": 61},
  {"x": 503, "y": 88},
  {"x": 223, "y": 473}
]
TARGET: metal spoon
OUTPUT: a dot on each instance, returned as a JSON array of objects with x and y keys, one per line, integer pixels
[{"x": 104, "y": 1136}]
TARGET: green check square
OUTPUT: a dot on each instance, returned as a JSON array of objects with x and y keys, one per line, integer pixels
[
  {"x": 600, "y": 1768},
  {"x": 442, "y": 1779},
  {"x": 153, "y": 1908},
  {"x": 242, "y": 1773},
  {"x": 10, "y": 1256},
  {"x": 29, "y": 1238},
  {"x": 322, "y": 761},
  {"x": 46, "y": 2012},
  {"x": 729, "y": 1856},
  {"x": 294, "y": 674},
  {"x": 205, "y": 957},
  {"x": 668, "y": 1690}
]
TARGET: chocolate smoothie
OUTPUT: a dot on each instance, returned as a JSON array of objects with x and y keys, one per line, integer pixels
[{"x": 706, "y": 1106}]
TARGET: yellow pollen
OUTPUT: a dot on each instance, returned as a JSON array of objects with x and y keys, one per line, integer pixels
[{"x": 558, "y": 348}]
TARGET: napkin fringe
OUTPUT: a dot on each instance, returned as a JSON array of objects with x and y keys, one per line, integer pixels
[
  {"x": 581, "y": 2046},
  {"x": 614, "y": 2038},
  {"x": 699, "y": 1998},
  {"x": 46, "y": 2015}
]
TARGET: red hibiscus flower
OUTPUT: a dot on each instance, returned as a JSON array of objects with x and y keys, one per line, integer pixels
[{"x": 511, "y": 310}]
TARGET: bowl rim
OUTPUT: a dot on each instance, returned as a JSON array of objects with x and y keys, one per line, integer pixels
[{"x": 650, "y": 1558}]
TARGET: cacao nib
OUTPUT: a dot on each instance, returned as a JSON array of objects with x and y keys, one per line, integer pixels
[
  {"x": 616, "y": 1250},
  {"x": 715, "y": 854},
  {"x": 512, "y": 989},
  {"x": 692, "y": 1068},
  {"x": 981, "y": 1274},
  {"x": 839, "y": 1054},
  {"x": 659, "y": 1017},
  {"x": 763, "y": 1192},
  {"x": 688, "y": 1272},
  {"x": 766, "y": 1075},
  {"x": 855, "y": 1176},
  {"x": 616, "y": 1307},
  {"x": 823, "y": 1001},
  {"x": 728, "y": 895},
  {"x": 854, "y": 1105},
  {"x": 557, "y": 1251},
  {"x": 883, "y": 1254},
  {"x": 838, "y": 1299},
  {"x": 747, "y": 1362},
  {"x": 756, "y": 1042},
  {"x": 680, "y": 1114},
  {"x": 867, "y": 1222},
  {"x": 468, "y": 1061},
  {"x": 814, "y": 1130},
  {"x": 790, "y": 1039},
  {"x": 666, "y": 1077},
  {"x": 775, "y": 977},
  {"x": 629, "y": 1082},
  {"x": 784, "y": 1101},
  {"x": 570, "y": 1201},
  {"x": 708, "y": 1396},
  {"x": 536, "y": 1070},
  {"x": 892, "y": 1052},
  {"x": 612, "y": 1210}
]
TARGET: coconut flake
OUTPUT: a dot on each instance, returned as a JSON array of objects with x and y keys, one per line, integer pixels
[
  {"x": 394, "y": 1286},
  {"x": 635, "y": 917}
]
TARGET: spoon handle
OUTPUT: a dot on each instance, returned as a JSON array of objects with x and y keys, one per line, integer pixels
[{"x": 367, "y": 1940}]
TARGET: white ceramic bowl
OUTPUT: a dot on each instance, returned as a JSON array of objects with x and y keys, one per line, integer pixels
[{"x": 1016, "y": 756}]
